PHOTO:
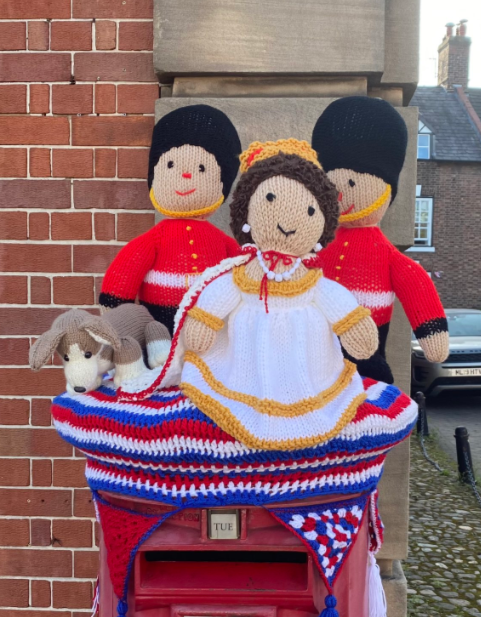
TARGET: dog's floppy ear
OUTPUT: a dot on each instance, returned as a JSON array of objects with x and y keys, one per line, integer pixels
[
  {"x": 102, "y": 332},
  {"x": 44, "y": 347}
]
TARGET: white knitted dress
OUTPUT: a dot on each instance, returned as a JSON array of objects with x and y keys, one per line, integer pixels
[{"x": 275, "y": 379}]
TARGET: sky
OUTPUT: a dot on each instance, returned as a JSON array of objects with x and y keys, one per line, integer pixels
[{"x": 435, "y": 14}]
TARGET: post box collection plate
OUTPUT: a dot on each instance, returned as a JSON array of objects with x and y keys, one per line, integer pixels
[{"x": 223, "y": 524}]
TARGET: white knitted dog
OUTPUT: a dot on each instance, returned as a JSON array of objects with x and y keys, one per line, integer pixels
[{"x": 90, "y": 345}]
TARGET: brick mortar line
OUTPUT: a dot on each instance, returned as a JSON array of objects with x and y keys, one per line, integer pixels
[
  {"x": 56, "y": 52},
  {"x": 42, "y": 458},
  {"x": 35, "y": 608},
  {"x": 49, "y": 275},
  {"x": 28, "y": 397},
  {"x": 62, "y": 178},
  {"x": 22, "y": 20},
  {"x": 73, "y": 209},
  {"x": 50, "y": 517},
  {"x": 86, "y": 82},
  {"x": 68, "y": 147},
  {"x": 50, "y": 548},
  {"x": 50, "y": 114},
  {"x": 43, "y": 578}
]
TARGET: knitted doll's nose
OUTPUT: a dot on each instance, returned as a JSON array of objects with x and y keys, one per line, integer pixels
[{"x": 187, "y": 175}]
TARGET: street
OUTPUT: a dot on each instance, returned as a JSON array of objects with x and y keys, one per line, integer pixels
[{"x": 453, "y": 409}]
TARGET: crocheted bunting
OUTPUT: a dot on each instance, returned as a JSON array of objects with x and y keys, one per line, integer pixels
[
  {"x": 124, "y": 531},
  {"x": 329, "y": 531},
  {"x": 376, "y": 527}
]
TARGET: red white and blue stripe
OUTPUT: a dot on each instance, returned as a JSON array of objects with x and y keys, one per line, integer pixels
[{"x": 165, "y": 449}]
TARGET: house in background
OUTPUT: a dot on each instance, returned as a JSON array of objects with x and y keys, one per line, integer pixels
[{"x": 448, "y": 200}]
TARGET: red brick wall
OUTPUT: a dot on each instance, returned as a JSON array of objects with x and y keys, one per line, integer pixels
[
  {"x": 76, "y": 114},
  {"x": 456, "y": 191}
]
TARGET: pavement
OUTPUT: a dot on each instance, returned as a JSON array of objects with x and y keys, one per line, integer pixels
[
  {"x": 443, "y": 569},
  {"x": 446, "y": 412}
]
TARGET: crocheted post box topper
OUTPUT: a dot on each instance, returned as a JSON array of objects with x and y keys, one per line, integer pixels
[
  {"x": 361, "y": 144},
  {"x": 194, "y": 158},
  {"x": 255, "y": 403}
]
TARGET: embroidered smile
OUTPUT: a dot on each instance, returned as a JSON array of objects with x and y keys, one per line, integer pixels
[
  {"x": 286, "y": 233},
  {"x": 350, "y": 209},
  {"x": 184, "y": 193}
]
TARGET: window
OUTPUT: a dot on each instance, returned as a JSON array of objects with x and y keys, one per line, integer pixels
[
  {"x": 424, "y": 141},
  {"x": 423, "y": 222}
]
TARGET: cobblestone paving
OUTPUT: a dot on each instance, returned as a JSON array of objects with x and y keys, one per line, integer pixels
[{"x": 444, "y": 565}]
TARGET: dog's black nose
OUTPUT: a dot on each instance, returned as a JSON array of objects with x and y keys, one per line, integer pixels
[{"x": 79, "y": 389}]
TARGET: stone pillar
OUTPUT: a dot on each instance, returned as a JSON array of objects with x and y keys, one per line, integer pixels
[{"x": 273, "y": 68}]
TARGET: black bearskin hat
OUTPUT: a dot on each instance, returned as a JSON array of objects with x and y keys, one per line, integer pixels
[
  {"x": 363, "y": 134},
  {"x": 198, "y": 125}
]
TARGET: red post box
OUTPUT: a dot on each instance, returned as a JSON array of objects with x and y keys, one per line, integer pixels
[{"x": 262, "y": 570}]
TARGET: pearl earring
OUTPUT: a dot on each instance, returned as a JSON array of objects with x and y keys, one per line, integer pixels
[
  {"x": 318, "y": 247},
  {"x": 246, "y": 228}
]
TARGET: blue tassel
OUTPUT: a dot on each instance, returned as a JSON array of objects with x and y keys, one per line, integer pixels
[
  {"x": 330, "y": 610},
  {"x": 122, "y": 608}
]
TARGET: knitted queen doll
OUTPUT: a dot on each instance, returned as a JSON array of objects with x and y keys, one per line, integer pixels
[
  {"x": 193, "y": 163},
  {"x": 279, "y": 357},
  {"x": 361, "y": 144},
  {"x": 255, "y": 404}
]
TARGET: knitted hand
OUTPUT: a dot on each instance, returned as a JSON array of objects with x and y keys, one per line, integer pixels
[
  {"x": 435, "y": 346},
  {"x": 199, "y": 337},
  {"x": 362, "y": 340}
]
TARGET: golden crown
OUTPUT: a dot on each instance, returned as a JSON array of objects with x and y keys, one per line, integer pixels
[{"x": 259, "y": 151}]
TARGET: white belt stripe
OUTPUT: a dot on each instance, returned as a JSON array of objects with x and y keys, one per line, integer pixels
[
  {"x": 374, "y": 299},
  {"x": 170, "y": 279}
]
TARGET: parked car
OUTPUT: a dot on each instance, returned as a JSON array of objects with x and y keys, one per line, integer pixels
[{"x": 462, "y": 369}]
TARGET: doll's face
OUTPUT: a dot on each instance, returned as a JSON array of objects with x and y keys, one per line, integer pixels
[
  {"x": 186, "y": 179},
  {"x": 284, "y": 216},
  {"x": 357, "y": 192}
]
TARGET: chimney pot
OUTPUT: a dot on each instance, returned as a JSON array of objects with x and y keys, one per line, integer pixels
[{"x": 453, "y": 56}]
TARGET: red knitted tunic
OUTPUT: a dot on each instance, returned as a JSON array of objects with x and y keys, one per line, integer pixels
[
  {"x": 364, "y": 261},
  {"x": 160, "y": 265}
]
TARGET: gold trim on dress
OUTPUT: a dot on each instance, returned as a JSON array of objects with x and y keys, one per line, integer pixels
[
  {"x": 269, "y": 406},
  {"x": 287, "y": 289},
  {"x": 224, "y": 418},
  {"x": 215, "y": 323},
  {"x": 350, "y": 320}
]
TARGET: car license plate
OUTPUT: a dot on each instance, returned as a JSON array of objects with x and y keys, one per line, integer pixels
[{"x": 465, "y": 372}]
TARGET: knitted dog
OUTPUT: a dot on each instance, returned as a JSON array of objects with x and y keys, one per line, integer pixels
[
  {"x": 361, "y": 144},
  {"x": 193, "y": 163},
  {"x": 90, "y": 346}
]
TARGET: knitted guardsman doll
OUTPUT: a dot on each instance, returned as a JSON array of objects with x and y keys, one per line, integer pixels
[
  {"x": 194, "y": 158},
  {"x": 361, "y": 144}
]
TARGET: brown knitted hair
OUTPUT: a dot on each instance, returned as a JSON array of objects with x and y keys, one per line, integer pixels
[{"x": 293, "y": 167}]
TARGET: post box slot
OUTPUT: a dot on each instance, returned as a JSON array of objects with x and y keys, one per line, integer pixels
[{"x": 248, "y": 571}]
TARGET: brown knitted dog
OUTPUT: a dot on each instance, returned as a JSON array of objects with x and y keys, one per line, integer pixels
[{"x": 90, "y": 346}]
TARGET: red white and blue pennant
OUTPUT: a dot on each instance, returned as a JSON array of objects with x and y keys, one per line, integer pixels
[{"x": 329, "y": 531}]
